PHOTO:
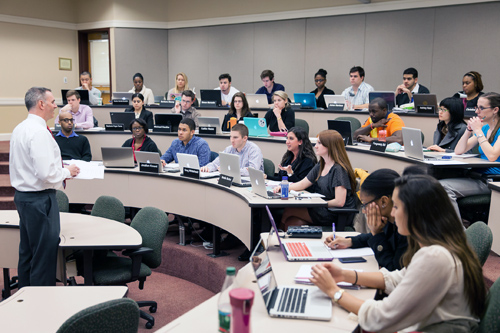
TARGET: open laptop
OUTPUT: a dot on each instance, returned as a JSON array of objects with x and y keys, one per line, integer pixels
[
  {"x": 300, "y": 302},
  {"x": 168, "y": 119},
  {"x": 256, "y": 101},
  {"x": 210, "y": 122},
  {"x": 334, "y": 99},
  {"x": 307, "y": 101},
  {"x": 425, "y": 100},
  {"x": 259, "y": 185},
  {"x": 118, "y": 157},
  {"x": 230, "y": 166},
  {"x": 84, "y": 96},
  {"x": 124, "y": 118},
  {"x": 211, "y": 95},
  {"x": 388, "y": 96},
  {"x": 256, "y": 126},
  {"x": 149, "y": 157},
  {"x": 344, "y": 128},
  {"x": 412, "y": 140},
  {"x": 191, "y": 161},
  {"x": 123, "y": 95},
  {"x": 310, "y": 250}
]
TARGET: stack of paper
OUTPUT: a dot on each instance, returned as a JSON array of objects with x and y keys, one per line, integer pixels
[{"x": 304, "y": 274}]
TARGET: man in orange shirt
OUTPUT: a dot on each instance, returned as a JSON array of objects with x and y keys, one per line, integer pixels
[{"x": 380, "y": 119}]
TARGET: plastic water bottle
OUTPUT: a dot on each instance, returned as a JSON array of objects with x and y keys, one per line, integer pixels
[
  {"x": 284, "y": 188},
  {"x": 224, "y": 304}
]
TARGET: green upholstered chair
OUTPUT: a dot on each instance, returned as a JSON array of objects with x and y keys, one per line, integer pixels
[
  {"x": 62, "y": 201},
  {"x": 109, "y": 208},
  {"x": 355, "y": 123},
  {"x": 152, "y": 225},
  {"x": 481, "y": 238},
  {"x": 491, "y": 319},
  {"x": 302, "y": 123},
  {"x": 115, "y": 316},
  {"x": 269, "y": 168}
]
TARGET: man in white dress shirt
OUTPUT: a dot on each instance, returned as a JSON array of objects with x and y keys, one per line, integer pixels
[
  {"x": 226, "y": 91},
  {"x": 36, "y": 171},
  {"x": 357, "y": 95}
]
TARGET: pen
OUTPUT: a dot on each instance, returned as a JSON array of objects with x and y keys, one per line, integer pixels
[{"x": 333, "y": 230}]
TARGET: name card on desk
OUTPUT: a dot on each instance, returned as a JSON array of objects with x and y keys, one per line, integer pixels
[
  {"x": 208, "y": 103},
  {"x": 167, "y": 104},
  {"x": 149, "y": 167},
  {"x": 225, "y": 180},
  {"x": 191, "y": 173},
  {"x": 470, "y": 112},
  {"x": 378, "y": 146},
  {"x": 207, "y": 130},
  {"x": 295, "y": 106},
  {"x": 162, "y": 128},
  {"x": 336, "y": 107},
  {"x": 426, "y": 109},
  {"x": 114, "y": 127},
  {"x": 120, "y": 102}
]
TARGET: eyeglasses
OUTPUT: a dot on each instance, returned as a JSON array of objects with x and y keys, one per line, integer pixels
[
  {"x": 363, "y": 206},
  {"x": 443, "y": 109},
  {"x": 137, "y": 128},
  {"x": 319, "y": 80},
  {"x": 482, "y": 108},
  {"x": 68, "y": 120}
]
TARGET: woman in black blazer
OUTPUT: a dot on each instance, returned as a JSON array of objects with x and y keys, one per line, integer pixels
[
  {"x": 451, "y": 125},
  {"x": 140, "y": 110}
]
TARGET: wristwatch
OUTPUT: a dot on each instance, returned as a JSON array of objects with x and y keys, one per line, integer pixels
[
  {"x": 338, "y": 295},
  {"x": 479, "y": 136}
]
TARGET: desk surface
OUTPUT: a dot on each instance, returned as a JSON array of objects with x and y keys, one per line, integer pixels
[
  {"x": 45, "y": 309},
  {"x": 261, "y": 322}
]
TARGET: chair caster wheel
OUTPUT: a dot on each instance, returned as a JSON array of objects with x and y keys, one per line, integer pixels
[
  {"x": 149, "y": 325},
  {"x": 152, "y": 309}
]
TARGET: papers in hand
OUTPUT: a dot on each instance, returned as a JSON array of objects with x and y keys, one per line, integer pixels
[
  {"x": 304, "y": 274},
  {"x": 88, "y": 170},
  {"x": 347, "y": 253}
]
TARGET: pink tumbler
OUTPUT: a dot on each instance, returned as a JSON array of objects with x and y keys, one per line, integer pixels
[{"x": 241, "y": 303}]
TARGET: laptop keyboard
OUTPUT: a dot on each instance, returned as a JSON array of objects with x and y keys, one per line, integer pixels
[
  {"x": 298, "y": 249},
  {"x": 293, "y": 300}
]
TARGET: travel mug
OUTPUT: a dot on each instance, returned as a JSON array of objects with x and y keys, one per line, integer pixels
[{"x": 241, "y": 303}]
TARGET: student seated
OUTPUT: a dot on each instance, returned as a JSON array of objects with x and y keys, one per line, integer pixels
[
  {"x": 441, "y": 287},
  {"x": 299, "y": 158},
  {"x": 226, "y": 90},
  {"x": 357, "y": 95},
  {"x": 472, "y": 85},
  {"x": 83, "y": 118},
  {"x": 239, "y": 109},
  {"x": 181, "y": 84},
  {"x": 94, "y": 93},
  {"x": 384, "y": 239},
  {"x": 140, "y": 141},
  {"x": 72, "y": 145},
  {"x": 187, "y": 143},
  {"x": 249, "y": 153},
  {"x": 282, "y": 116},
  {"x": 140, "y": 88},
  {"x": 185, "y": 106},
  {"x": 333, "y": 177},
  {"x": 321, "y": 89},
  {"x": 140, "y": 110},
  {"x": 269, "y": 87},
  {"x": 404, "y": 92},
  {"x": 380, "y": 119},
  {"x": 451, "y": 125}
]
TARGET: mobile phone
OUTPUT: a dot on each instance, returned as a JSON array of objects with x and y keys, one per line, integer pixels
[{"x": 352, "y": 260}]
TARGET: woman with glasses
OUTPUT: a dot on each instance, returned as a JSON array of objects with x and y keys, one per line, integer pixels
[
  {"x": 472, "y": 85},
  {"x": 451, "y": 125},
  {"x": 332, "y": 177},
  {"x": 321, "y": 90},
  {"x": 140, "y": 141},
  {"x": 440, "y": 287},
  {"x": 238, "y": 109},
  {"x": 140, "y": 110},
  {"x": 384, "y": 239}
]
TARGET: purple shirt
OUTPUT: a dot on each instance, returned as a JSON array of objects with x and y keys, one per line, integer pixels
[{"x": 84, "y": 118}]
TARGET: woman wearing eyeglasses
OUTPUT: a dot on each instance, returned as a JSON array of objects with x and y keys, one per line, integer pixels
[
  {"x": 384, "y": 239},
  {"x": 321, "y": 90},
  {"x": 451, "y": 125},
  {"x": 140, "y": 141},
  {"x": 482, "y": 130},
  {"x": 140, "y": 110}
]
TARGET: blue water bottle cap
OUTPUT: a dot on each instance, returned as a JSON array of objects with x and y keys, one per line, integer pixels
[{"x": 284, "y": 178}]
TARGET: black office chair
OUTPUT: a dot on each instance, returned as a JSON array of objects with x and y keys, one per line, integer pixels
[
  {"x": 269, "y": 168},
  {"x": 355, "y": 123},
  {"x": 302, "y": 123}
]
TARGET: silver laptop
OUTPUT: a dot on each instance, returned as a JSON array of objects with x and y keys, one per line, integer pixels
[
  {"x": 334, "y": 99},
  {"x": 257, "y": 101},
  {"x": 311, "y": 250},
  {"x": 230, "y": 166},
  {"x": 123, "y": 95},
  {"x": 118, "y": 157},
  {"x": 191, "y": 161},
  {"x": 259, "y": 185},
  {"x": 301, "y": 302},
  {"x": 149, "y": 157},
  {"x": 210, "y": 122},
  {"x": 425, "y": 100},
  {"x": 412, "y": 139}
]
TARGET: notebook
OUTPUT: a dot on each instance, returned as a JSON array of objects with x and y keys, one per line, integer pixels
[
  {"x": 259, "y": 185},
  {"x": 256, "y": 101},
  {"x": 307, "y": 101},
  {"x": 256, "y": 126},
  {"x": 118, "y": 157},
  {"x": 310, "y": 250},
  {"x": 301, "y": 302},
  {"x": 412, "y": 140},
  {"x": 149, "y": 157},
  {"x": 230, "y": 166},
  {"x": 191, "y": 161}
]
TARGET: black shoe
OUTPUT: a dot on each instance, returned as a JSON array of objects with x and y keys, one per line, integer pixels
[{"x": 245, "y": 256}]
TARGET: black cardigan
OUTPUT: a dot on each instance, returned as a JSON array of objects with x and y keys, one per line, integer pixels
[
  {"x": 145, "y": 115},
  {"x": 287, "y": 115}
]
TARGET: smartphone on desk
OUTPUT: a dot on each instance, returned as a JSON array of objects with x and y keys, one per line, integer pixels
[{"x": 351, "y": 260}]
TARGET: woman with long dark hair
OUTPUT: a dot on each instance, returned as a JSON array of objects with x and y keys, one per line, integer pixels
[
  {"x": 451, "y": 125},
  {"x": 239, "y": 109}
]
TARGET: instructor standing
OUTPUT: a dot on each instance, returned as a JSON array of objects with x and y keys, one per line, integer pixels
[{"x": 36, "y": 172}]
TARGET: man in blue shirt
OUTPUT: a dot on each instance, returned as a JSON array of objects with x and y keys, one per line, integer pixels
[
  {"x": 187, "y": 143},
  {"x": 269, "y": 87}
]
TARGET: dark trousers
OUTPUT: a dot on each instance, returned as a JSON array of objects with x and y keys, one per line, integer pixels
[{"x": 39, "y": 231}]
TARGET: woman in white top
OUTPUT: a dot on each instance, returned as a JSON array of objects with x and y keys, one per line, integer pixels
[
  {"x": 181, "y": 84},
  {"x": 140, "y": 88},
  {"x": 441, "y": 284}
]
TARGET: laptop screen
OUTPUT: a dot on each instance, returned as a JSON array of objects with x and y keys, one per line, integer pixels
[{"x": 263, "y": 272}]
